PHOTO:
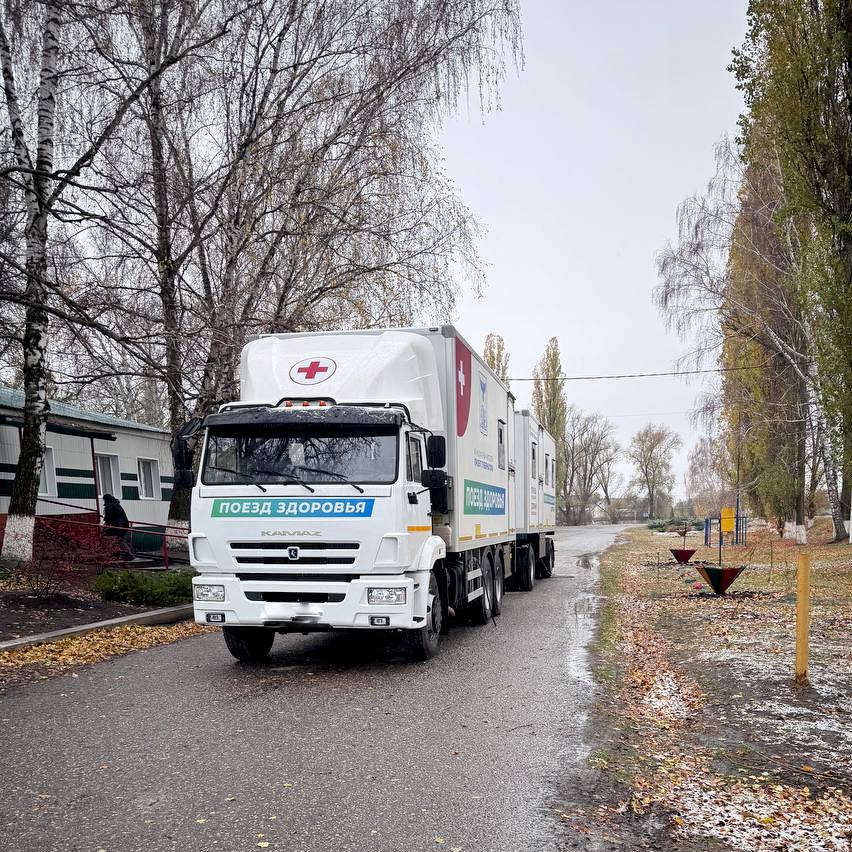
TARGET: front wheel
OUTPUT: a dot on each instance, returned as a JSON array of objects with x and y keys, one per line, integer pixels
[
  {"x": 249, "y": 644},
  {"x": 425, "y": 641}
]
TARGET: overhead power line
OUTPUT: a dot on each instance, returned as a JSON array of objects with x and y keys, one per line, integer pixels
[{"x": 630, "y": 375}]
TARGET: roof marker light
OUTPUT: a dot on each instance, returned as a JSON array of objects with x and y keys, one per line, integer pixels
[
  {"x": 305, "y": 404},
  {"x": 289, "y": 403}
]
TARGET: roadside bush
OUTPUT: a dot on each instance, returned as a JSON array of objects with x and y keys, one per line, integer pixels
[
  {"x": 675, "y": 524},
  {"x": 143, "y": 588}
]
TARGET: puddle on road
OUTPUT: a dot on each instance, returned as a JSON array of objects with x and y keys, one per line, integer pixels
[{"x": 581, "y": 619}]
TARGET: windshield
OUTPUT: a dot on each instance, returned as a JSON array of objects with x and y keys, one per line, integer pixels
[{"x": 300, "y": 453}]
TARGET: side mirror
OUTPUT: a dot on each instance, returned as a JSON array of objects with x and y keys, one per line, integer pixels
[
  {"x": 431, "y": 478},
  {"x": 182, "y": 452},
  {"x": 439, "y": 491},
  {"x": 436, "y": 451}
]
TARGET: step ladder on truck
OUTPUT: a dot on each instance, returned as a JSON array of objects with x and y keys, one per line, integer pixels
[{"x": 377, "y": 480}]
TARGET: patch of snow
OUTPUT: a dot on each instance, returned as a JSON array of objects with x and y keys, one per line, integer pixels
[{"x": 665, "y": 698}]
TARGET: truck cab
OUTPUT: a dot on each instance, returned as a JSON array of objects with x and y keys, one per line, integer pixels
[{"x": 312, "y": 516}]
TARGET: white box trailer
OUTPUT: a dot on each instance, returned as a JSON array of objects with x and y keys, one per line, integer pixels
[
  {"x": 535, "y": 491},
  {"x": 365, "y": 479}
]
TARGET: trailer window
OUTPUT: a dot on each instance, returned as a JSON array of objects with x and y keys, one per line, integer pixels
[
  {"x": 501, "y": 445},
  {"x": 315, "y": 454},
  {"x": 533, "y": 465},
  {"x": 553, "y": 471},
  {"x": 414, "y": 459},
  {"x": 547, "y": 469}
]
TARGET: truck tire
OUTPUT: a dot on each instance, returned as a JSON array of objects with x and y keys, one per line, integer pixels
[
  {"x": 249, "y": 644},
  {"x": 483, "y": 606},
  {"x": 425, "y": 641},
  {"x": 499, "y": 583},
  {"x": 547, "y": 561},
  {"x": 526, "y": 568}
]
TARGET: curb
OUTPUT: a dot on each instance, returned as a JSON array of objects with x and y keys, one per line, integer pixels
[{"x": 167, "y": 615}]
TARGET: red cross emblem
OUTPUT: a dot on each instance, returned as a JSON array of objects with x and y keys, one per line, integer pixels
[{"x": 312, "y": 371}]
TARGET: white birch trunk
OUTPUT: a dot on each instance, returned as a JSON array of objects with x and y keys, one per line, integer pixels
[{"x": 18, "y": 539}]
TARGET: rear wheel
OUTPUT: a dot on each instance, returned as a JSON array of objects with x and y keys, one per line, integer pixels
[
  {"x": 499, "y": 583},
  {"x": 547, "y": 561},
  {"x": 526, "y": 568},
  {"x": 483, "y": 606},
  {"x": 249, "y": 644},
  {"x": 425, "y": 641}
]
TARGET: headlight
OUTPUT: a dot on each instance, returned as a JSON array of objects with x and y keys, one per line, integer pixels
[
  {"x": 203, "y": 592},
  {"x": 386, "y": 596}
]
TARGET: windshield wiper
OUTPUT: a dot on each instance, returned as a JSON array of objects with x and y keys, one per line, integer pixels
[
  {"x": 340, "y": 476},
  {"x": 236, "y": 473},
  {"x": 289, "y": 479}
]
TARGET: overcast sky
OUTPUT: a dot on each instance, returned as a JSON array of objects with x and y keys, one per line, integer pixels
[{"x": 607, "y": 128}]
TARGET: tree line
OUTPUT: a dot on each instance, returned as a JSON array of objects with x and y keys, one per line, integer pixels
[
  {"x": 177, "y": 175},
  {"x": 761, "y": 271},
  {"x": 589, "y": 483}
]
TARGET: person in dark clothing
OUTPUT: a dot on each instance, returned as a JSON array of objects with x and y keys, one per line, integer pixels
[{"x": 116, "y": 523}]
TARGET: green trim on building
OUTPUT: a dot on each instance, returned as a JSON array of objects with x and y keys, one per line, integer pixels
[
  {"x": 8, "y": 468},
  {"x": 75, "y": 472},
  {"x": 6, "y": 487},
  {"x": 78, "y": 490},
  {"x": 167, "y": 479},
  {"x": 166, "y": 494},
  {"x": 129, "y": 492},
  {"x": 132, "y": 477}
]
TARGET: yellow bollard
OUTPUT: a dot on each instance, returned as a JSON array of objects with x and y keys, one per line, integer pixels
[{"x": 803, "y": 614}]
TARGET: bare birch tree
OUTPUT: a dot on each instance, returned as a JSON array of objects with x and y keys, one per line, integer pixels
[{"x": 285, "y": 179}]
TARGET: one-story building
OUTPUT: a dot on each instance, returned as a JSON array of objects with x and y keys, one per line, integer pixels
[{"x": 88, "y": 455}]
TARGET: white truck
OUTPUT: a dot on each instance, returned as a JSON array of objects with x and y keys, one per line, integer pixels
[{"x": 364, "y": 480}]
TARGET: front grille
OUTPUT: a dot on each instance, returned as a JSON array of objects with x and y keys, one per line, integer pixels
[
  {"x": 302, "y": 545},
  {"x": 265, "y": 577},
  {"x": 295, "y": 597},
  {"x": 310, "y": 553},
  {"x": 302, "y": 560}
]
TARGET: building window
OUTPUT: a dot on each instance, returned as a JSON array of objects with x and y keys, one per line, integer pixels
[
  {"x": 109, "y": 481},
  {"x": 553, "y": 472},
  {"x": 533, "y": 465},
  {"x": 149, "y": 479},
  {"x": 501, "y": 445},
  {"x": 547, "y": 468},
  {"x": 47, "y": 481},
  {"x": 414, "y": 462}
]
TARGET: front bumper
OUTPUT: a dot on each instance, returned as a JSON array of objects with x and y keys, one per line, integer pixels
[{"x": 352, "y": 611}]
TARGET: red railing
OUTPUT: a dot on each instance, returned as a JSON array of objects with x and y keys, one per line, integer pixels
[{"x": 140, "y": 526}]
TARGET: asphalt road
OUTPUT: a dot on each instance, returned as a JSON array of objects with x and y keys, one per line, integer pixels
[{"x": 337, "y": 744}]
